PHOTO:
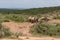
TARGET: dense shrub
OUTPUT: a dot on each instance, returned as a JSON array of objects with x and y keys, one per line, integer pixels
[
  {"x": 32, "y": 11},
  {"x": 46, "y": 29},
  {"x": 4, "y": 32},
  {"x": 15, "y": 18}
]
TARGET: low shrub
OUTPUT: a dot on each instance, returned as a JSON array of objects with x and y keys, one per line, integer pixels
[
  {"x": 4, "y": 32},
  {"x": 56, "y": 17},
  {"x": 46, "y": 29},
  {"x": 15, "y": 18}
]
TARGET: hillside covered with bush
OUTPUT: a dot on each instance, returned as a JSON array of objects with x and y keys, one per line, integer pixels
[
  {"x": 40, "y": 27},
  {"x": 33, "y": 11}
]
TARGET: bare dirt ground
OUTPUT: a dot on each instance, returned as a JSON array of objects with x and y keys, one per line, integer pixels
[
  {"x": 24, "y": 28},
  {"x": 18, "y": 27},
  {"x": 8, "y": 39},
  {"x": 33, "y": 38},
  {"x": 54, "y": 21}
]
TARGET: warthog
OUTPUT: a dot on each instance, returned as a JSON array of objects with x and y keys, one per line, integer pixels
[
  {"x": 44, "y": 19},
  {"x": 32, "y": 19}
]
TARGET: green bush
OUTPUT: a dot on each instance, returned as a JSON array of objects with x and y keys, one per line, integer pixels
[
  {"x": 4, "y": 32},
  {"x": 46, "y": 29},
  {"x": 57, "y": 17},
  {"x": 15, "y": 18}
]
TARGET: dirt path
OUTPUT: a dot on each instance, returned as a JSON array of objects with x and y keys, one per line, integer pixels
[
  {"x": 40, "y": 38},
  {"x": 33, "y": 38},
  {"x": 8, "y": 39}
]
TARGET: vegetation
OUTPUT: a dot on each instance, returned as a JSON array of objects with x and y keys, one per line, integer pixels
[
  {"x": 22, "y": 15},
  {"x": 7, "y": 15},
  {"x": 4, "y": 32},
  {"x": 57, "y": 17},
  {"x": 13, "y": 17},
  {"x": 46, "y": 29},
  {"x": 33, "y": 11}
]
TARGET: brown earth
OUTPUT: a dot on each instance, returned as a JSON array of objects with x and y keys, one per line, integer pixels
[
  {"x": 18, "y": 27},
  {"x": 54, "y": 21},
  {"x": 33, "y": 38}
]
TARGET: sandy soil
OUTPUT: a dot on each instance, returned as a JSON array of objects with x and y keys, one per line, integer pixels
[
  {"x": 40, "y": 38},
  {"x": 18, "y": 27},
  {"x": 54, "y": 21},
  {"x": 33, "y": 38},
  {"x": 8, "y": 39}
]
